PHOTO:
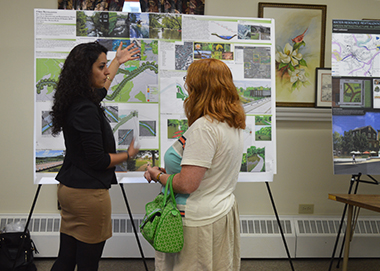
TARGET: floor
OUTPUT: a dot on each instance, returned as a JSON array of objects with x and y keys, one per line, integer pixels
[{"x": 246, "y": 264}]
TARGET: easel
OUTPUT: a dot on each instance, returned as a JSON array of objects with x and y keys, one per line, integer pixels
[
  {"x": 279, "y": 225},
  {"x": 355, "y": 179},
  {"x": 135, "y": 230},
  {"x": 129, "y": 211},
  {"x": 133, "y": 225}
]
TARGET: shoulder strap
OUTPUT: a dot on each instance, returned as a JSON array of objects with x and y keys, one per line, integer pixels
[{"x": 169, "y": 186}]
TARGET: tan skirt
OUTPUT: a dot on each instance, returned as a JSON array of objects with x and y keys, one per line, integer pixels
[
  {"x": 86, "y": 213},
  {"x": 212, "y": 247}
]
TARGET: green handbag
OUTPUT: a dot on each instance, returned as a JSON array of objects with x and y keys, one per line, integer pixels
[{"x": 162, "y": 223}]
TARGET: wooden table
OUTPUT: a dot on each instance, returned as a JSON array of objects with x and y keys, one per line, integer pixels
[{"x": 370, "y": 202}]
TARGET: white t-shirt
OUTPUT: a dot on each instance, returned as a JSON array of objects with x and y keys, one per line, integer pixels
[{"x": 219, "y": 148}]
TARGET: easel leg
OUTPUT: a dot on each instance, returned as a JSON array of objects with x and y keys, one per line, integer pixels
[
  {"x": 340, "y": 227},
  {"x": 27, "y": 224},
  {"x": 279, "y": 225},
  {"x": 354, "y": 179},
  {"x": 344, "y": 240},
  {"x": 337, "y": 238},
  {"x": 348, "y": 237},
  {"x": 33, "y": 205},
  {"x": 133, "y": 226}
]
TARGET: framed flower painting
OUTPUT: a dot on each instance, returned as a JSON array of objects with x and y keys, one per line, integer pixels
[{"x": 300, "y": 49}]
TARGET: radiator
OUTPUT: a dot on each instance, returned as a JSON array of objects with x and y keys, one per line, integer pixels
[{"x": 306, "y": 237}]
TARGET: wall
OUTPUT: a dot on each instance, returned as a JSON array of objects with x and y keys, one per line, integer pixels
[{"x": 304, "y": 173}]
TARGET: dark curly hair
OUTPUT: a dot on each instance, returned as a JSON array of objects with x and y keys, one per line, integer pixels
[{"x": 74, "y": 81}]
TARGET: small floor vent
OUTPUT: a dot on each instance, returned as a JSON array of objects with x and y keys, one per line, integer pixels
[
  {"x": 124, "y": 225},
  {"x": 264, "y": 226}
]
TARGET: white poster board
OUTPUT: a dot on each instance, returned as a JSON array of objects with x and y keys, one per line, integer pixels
[
  {"x": 146, "y": 96},
  {"x": 356, "y": 96}
]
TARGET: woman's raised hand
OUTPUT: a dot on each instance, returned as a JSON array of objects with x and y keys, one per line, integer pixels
[{"x": 126, "y": 54}]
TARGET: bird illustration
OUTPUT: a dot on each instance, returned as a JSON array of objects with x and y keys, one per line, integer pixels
[{"x": 299, "y": 38}]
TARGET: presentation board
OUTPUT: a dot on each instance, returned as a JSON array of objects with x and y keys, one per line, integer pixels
[
  {"x": 145, "y": 100},
  {"x": 356, "y": 96}
]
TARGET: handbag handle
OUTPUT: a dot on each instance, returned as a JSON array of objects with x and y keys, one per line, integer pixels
[{"x": 169, "y": 185}]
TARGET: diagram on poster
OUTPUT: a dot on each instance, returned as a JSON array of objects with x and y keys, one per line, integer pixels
[
  {"x": 355, "y": 96},
  {"x": 356, "y": 55},
  {"x": 145, "y": 99}
]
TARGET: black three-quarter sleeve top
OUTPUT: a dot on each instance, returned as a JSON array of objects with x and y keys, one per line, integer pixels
[{"x": 88, "y": 140}]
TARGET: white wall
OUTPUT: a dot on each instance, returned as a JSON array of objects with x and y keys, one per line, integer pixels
[{"x": 304, "y": 173}]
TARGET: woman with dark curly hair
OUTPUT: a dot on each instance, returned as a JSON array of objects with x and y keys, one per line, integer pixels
[{"x": 88, "y": 169}]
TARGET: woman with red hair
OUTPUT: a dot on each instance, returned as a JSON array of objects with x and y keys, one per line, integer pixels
[{"x": 207, "y": 160}]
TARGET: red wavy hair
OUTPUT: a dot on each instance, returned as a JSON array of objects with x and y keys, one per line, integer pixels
[{"x": 212, "y": 93}]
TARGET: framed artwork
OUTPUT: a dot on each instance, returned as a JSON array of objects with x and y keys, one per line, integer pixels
[
  {"x": 300, "y": 49},
  {"x": 323, "y": 87}
]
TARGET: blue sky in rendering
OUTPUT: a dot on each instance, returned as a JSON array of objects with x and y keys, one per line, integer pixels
[
  {"x": 341, "y": 124},
  {"x": 48, "y": 153}
]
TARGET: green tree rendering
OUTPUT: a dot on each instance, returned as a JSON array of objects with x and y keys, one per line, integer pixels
[
  {"x": 81, "y": 24},
  {"x": 351, "y": 142},
  {"x": 264, "y": 134},
  {"x": 102, "y": 29},
  {"x": 154, "y": 20},
  {"x": 243, "y": 167},
  {"x": 337, "y": 141},
  {"x": 253, "y": 158},
  {"x": 172, "y": 22},
  {"x": 347, "y": 142},
  {"x": 263, "y": 120},
  {"x": 361, "y": 142}
]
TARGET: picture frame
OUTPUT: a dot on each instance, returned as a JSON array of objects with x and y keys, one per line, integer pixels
[
  {"x": 300, "y": 49},
  {"x": 323, "y": 88}
]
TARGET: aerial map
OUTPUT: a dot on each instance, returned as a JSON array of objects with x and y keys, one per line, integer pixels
[{"x": 356, "y": 55}]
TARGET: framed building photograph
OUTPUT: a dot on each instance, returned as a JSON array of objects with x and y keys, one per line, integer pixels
[
  {"x": 323, "y": 87},
  {"x": 300, "y": 49}
]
